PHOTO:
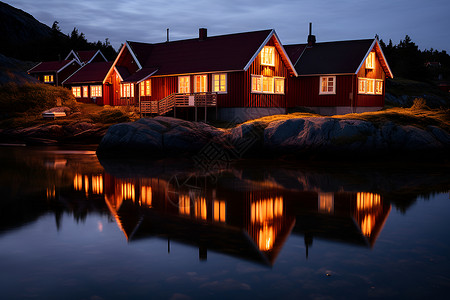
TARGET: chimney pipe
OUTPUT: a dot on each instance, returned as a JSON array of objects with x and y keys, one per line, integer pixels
[
  {"x": 167, "y": 35},
  {"x": 311, "y": 37},
  {"x": 202, "y": 34}
]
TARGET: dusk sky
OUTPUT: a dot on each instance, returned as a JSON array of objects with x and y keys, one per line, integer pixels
[{"x": 426, "y": 22}]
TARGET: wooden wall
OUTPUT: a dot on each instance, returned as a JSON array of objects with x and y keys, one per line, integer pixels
[{"x": 376, "y": 73}]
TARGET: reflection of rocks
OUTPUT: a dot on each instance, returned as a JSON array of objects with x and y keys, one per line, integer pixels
[{"x": 300, "y": 137}]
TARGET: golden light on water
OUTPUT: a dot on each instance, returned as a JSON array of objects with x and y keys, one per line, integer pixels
[
  {"x": 128, "y": 191},
  {"x": 200, "y": 208},
  {"x": 86, "y": 184},
  {"x": 184, "y": 205},
  {"x": 78, "y": 182},
  {"x": 368, "y": 206},
  {"x": 219, "y": 209},
  {"x": 266, "y": 238},
  {"x": 97, "y": 184},
  {"x": 367, "y": 200},
  {"x": 326, "y": 203},
  {"x": 146, "y": 196}
]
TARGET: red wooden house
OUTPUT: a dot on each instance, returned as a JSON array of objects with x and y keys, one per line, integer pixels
[
  {"x": 244, "y": 75},
  {"x": 87, "y": 83},
  {"x": 54, "y": 72},
  {"x": 338, "y": 77}
]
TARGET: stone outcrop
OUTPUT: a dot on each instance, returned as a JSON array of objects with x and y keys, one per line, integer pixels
[{"x": 164, "y": 136}]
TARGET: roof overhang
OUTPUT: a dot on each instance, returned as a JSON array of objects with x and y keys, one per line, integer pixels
[
  {"x": 68, "y": 64},
  {"x": 76, "y": 56}
]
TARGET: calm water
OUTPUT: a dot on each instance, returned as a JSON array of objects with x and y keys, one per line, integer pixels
[{"x": 72, "y": 227}]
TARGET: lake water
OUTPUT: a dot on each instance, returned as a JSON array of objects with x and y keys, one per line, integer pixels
[{"x": 74, "y": 227}]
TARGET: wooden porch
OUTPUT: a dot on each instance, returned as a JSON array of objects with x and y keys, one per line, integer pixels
[{"x": 171, "y": 102}]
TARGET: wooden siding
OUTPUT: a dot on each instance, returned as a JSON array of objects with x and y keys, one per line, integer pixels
[
  {"x": 304, "y": 91},
  {"x": 126, "y": 60},
  {"x": 377, "y": 72},
  {"x": 103, "y": 100}
]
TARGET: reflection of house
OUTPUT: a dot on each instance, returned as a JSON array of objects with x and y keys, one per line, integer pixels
[{"x": 251, "y": 224}]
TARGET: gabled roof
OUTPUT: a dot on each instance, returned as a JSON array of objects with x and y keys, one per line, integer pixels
[
  {"x": 93, "y": 72},
  {"x": 85, "y": 56},
  {"x": 231, "y": 52},
  {"x": 52, "y": 66},
  {"x": 342, "y": 57}
]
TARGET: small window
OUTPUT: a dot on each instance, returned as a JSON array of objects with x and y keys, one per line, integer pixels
[
  {"x": 256, "y": 83},
  {"x": 268, "y": 56},
  {"x": 279, "y": 85},
  {"x": 96, "y": 91},
  {"x": 200, "y": 84},
  {"x": 184, "y": 84},
  {"x": 267, "y": 84},
  {"x": 219, "y": 83},
  {"x": 145, "y": 88},
  {"x": 48, "y": 78},
  {"x": 370, "y": 61},
  {"x": 327, "y": 85},
  {"x": 76, "y": 91},
  {"x": 126, "y": 90},
  {"x": 362, "y": 85},
  {"x": 379, "y": 87},
  {"x": 85, "y": 92},
  {"x": 370, "y": 86}
]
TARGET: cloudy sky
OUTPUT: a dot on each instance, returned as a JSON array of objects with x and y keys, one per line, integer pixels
[{"x": 426, "y": 22}]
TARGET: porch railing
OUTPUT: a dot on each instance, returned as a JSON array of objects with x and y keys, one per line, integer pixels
[{"x": 175, "y": 100}]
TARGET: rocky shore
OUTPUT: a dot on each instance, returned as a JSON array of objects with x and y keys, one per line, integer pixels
[{"x": 297, "y": 137}]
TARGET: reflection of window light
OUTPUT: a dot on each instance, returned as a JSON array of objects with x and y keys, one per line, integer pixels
[
  {"x": 326, "y": 202},
  {"x": 219, "y": 211},
  {"x": 266, "y": 238},
  {"x": 200, "y": 208},
  {"x": 97, "y": 184},
  {"x": 265, "y": 210},
  {"x": 367, "y": 224},
  {"x": 128, "y": 191},
  {"x": 367, "y": 200},
  {"x": 86, "y": 183},
  {"x": 184, "y": 205},
  {"x": 78, "y": 182},
  {"x": 146, "y": 196}
]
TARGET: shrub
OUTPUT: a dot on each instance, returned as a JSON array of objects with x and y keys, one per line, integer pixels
[{"x": 32, "y": 98}]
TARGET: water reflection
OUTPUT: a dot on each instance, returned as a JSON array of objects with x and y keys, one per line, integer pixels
[{"x": 240, "y": 213}]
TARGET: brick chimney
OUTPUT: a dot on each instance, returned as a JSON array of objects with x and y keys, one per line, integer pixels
[
  {"x": 202, "y": 34},
  {"x": 311, "y": 37}
]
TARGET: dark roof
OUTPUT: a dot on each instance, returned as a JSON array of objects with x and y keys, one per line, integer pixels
[
  {"x": 217, "y": 53},
  {"x": 140, "y": 75},
  {"x": 123, "y": 72},
  {"x": 50, "y": 66},
  {"x": 343, "y": 57},
  {"x": 294, "y": 51},
  {"x": 93, "y": 72},
  {"x": 86, "y": 55}
]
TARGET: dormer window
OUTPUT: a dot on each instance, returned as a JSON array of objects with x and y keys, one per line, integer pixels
[
  {"x": 370, "y": 61},
  {"x": 268, "y": 56}
]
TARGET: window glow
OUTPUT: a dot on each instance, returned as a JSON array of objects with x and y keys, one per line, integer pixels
[
  {"x": 127, "y": 190},
  {"x": 279, "y": 85},
  {"x": 326, "y": 203},
  {"x": 267, "y": 84},
  {"x": 85, "y": 92},
  {"x": 184, "y": 205},
  {"x": 219, "y": 83},
  {"x": 126, "y": 90},
  {"x": 266, "y": 238},
  {"x": 200, "y": 208},
  {"x": 200, "y": 84},
  {"x": 370, "y": 61},
  {"x": 78, "y": 182},
  {"x": 219, "y": 210},
  {"x": 370, "y": 86},
  {"x": 327, "y": 85},
  {"x": 379, "y": 87},
  {"x": 256, "y": 83},
  {"x": 268, "y": 56},
  {"x": 96, "y": 91},
  {"x": 184, "y": 84},
  {"x": 145, "y": 88},
  {"x": 76, "y": 91},
  {"x": 97, "y": 184},
  {"x": 146, "y": 196},
  {"x": 48, "y": 78}
]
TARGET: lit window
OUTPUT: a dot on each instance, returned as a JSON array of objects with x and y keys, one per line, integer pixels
[
  {"x": 126, "y": 90},
  {"x": 370, "y": 61},
  {"x": 327, "y": 85},
  {"x": 379, "y": 87},
  {"x": 219, "y": 83},
  {"x": 85, "y": 92},
  {"x": 256, "y": 83},
  {"x": 184, "y": 84},
  {"x": 268, "y": 56},
  {"x": 76, "y": 91},
  {"x": 200, "y": 84},
  {"x": 279, "y": 85},
  {"x": 96, "y": 91},
  {"x": 145, "y": 88},
  {"x": 48, "y": 78},
  {"x": 370, "y": 86},
  {"x": 362, "y": 85},
  {"x": 267, "y": 84}
]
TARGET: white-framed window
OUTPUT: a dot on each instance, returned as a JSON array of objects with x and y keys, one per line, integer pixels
[
  {"x": 256, "y": 83},
  {"x": 369, "y": 86},
  {"x": 279, "y": 85},
  {"x": 370, "y": 61},
  {"x": 145, "y": 88},
  {"x": 200, "y": 83},
  {"x": 219, "y": 83},
  {"x": 268, "y": 56},
  {"x": 327, "y": 85},
  {"x": 184, "y": 84},
  {"x": 85, "y": 91},
  {"x": 126, "y": 90},
  {"x": 76, "y": 91},
  {"x": 267, "y": 85},
  {"x": 379, "y": 87},
  {"x": 48, "y": 78},
  {"x": 96, "y": 90}
]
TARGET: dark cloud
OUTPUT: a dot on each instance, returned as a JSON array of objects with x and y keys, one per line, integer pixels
[{"x": 142, "y": 20}]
